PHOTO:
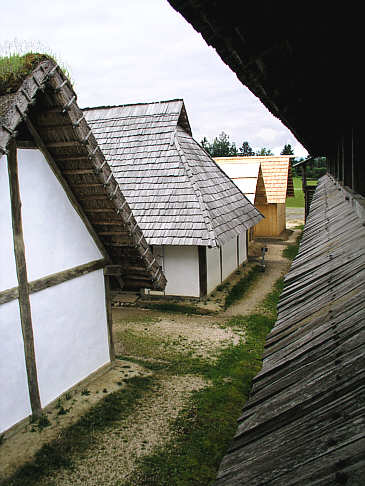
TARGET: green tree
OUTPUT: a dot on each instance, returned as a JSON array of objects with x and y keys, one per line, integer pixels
[
  {"x": 205, "y": 144},
  {"x": 246, "y": 150},
  {"x": 264, "y": 151},
  {"x": 287, "y": 150},
  {"x": 222, "y": 147}
]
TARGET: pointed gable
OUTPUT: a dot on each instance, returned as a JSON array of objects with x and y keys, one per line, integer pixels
[
  {"x": 276, "y": 172},
  {"x": 247, "y": 176}
]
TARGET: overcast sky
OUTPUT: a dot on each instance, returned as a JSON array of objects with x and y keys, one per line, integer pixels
[{"x": 134, "y": 51}]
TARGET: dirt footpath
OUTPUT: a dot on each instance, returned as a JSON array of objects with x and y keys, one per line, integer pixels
[{"x": 275, "y": 267}]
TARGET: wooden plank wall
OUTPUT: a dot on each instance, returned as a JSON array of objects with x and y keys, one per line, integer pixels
[
  {"x": 304, "y": 423},
  {"x": 274, "y": 222}
]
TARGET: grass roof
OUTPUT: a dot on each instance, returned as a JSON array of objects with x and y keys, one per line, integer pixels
[{"x": 15, "y": 68}]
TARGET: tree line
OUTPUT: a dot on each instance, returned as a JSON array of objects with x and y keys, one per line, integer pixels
[{"x": 223, "y": 147}]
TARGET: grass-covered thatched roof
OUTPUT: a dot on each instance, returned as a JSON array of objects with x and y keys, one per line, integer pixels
[
  {"x": 14, "y": 68},
  {"x": 36, "y": 97}
]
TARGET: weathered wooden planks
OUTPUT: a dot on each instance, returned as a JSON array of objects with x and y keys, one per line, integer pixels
[{"x": 304, "y": 422}]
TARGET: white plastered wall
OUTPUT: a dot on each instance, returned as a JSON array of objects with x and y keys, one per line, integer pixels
[
  {"x": 181, "y": 268},
  {"x": 70, "y": 333},
  {"x": 69, "y": 320},
  {"x": 230, "y": 260},
  {"x": 55, "y": 237},
  {"x": 242, "y": 247},
  {"x": 229, "y": 257},
  {"x": 213, "y": 268},
  {"x": 14, "y": 402}
]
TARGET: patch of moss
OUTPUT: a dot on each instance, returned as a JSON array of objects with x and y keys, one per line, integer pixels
[{"x": 15, "y": 68}]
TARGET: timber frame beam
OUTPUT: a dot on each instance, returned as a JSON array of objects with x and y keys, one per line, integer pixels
[
  {"x": 23, "y": 289},
  {"x": 53, "y": 279}
]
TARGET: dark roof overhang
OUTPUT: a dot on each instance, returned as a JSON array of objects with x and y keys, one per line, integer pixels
[{"x": 302, "y": 63}]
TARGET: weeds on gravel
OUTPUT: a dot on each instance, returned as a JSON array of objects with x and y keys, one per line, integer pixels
[
  {"x": 290, "y": 252},
  {"x": 80, "y": 436},
  {"x": 239, "y": 289},
  {"x": 205, "y": 428},
  {"x": 271, "y": 300}
]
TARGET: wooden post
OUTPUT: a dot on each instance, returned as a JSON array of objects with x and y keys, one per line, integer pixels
[
  {"x": 21, "y": 269},
  {"x": 203, "y": 284},
  {"x": 238, "y": 250},
  {"x": 347, "y": 160},
  {"x": 221, "y": 262},
  {"x": 358, "y": 165},
  {"x": 109, "y": 317}
]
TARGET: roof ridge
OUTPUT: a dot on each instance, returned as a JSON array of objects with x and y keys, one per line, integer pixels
[
  {"x": 131, "y": 104},
  {"x": 130, "y": 116},
  {"x": 194, "y": 183}
]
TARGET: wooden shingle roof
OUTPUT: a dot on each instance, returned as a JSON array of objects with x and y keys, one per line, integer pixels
[
  {"x": 276, "y": 172},
  {"x": 304, "y": 422},
  {"x": 44, "y": 110},
  {"x": 177, "y": 193}
]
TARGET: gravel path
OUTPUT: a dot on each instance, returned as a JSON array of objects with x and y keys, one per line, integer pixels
[
  {"x": 275, "y": 267},
  {"x": 114, "y": 455}
]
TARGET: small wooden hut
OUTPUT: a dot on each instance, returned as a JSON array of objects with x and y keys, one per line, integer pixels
[
  {"x": 66, "y": 230},
  {"x": 278, "y": 182},
  {"x": 250, "y": 181},
  {"x": 193, "y": 216}
]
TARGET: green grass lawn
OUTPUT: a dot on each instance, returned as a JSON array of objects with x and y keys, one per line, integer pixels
[{"x": 298, "y": 200}]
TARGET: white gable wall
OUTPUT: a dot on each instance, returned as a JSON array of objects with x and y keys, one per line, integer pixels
[
  {"x": 69, "y": 320},
  {"x": 70, "y": 333},
  {"x": 55, "y": 238}
]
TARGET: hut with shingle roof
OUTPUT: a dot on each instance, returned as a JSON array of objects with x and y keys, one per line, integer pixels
[
  {"x": 193, "y": 216},
  {"x": 66, "y": 230},
  {"x": 278, "y": 182}
]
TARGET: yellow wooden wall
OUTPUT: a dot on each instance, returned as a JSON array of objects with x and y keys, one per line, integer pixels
[{"x": 274, "y": 222}]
